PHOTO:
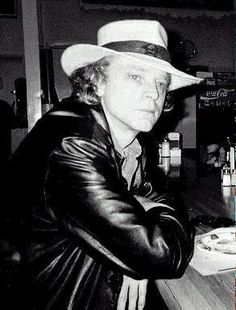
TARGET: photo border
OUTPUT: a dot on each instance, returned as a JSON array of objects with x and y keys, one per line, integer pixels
[{"x": 86, "y": 4}]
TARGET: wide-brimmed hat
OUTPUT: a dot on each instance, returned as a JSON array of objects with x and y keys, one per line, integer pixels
[{"x": 142, "y": 40}]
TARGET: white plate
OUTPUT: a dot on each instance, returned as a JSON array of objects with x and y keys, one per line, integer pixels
[{"x": 221, "y": 242}]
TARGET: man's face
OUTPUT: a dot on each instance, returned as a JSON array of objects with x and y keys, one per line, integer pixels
[{"x": 133, "y": 95}]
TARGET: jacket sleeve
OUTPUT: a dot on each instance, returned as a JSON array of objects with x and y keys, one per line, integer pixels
[{"x": 88, "y": 202}]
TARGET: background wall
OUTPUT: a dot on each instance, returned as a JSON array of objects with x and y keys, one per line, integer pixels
[
  {"x": 11, "y": 63},
  {"x": 213, "y": 34},
  {"x": 64, "y": 22},
  {"x": 11, "y": 53}
]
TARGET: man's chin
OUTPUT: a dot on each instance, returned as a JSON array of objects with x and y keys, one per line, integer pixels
[{"x": 145, "y": 126}]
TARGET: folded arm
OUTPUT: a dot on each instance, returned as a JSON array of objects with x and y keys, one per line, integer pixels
[{"x": 88, "y": 201}]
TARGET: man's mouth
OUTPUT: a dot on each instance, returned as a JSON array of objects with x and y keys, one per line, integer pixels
[{"x": 147, "y": 111}]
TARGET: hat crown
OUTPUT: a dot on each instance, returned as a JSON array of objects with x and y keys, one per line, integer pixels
[
  {"x": 139, "y": 40},
  {"x": 150, "y": 31}
]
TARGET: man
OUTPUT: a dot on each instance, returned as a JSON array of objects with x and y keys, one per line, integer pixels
[{"x": 92, "y": 230}]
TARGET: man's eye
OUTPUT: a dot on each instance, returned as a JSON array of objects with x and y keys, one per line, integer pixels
[
  {"x": 161, "y": 84},
  {"x": 135, "y": 77}
]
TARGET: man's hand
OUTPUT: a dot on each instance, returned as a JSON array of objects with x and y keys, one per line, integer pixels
[{"x": 133, "y": 294}]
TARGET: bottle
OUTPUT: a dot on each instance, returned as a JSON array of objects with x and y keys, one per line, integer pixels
[
  {"x": 232, "y": 158},
  {"x": 228, "y": 158},
  {"x": 165, "y": 165},
  {"x": 233, "y": 178},
  {"x": 165, "y": 148},
  {"x": 235, "y": 155},
  {"x": 226, "y": 177},
  {"x": 159, "y": 152}
]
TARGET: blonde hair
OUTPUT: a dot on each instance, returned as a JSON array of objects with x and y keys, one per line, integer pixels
[{"x": 85, "y": 81}]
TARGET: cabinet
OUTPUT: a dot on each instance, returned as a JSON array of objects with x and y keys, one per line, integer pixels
[{"x": 216, "y": 112}]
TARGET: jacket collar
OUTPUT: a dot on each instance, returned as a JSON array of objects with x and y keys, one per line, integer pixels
[{"x": 93, "y": 113}]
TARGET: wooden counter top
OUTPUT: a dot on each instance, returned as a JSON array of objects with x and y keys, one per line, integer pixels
[{"x": 202, "y": 194}]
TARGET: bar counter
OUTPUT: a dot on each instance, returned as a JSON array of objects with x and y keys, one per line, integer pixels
[{"x": 201, "y": 191}]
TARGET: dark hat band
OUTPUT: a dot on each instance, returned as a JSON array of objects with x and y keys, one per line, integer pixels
[{"x": 140, "y": 47}]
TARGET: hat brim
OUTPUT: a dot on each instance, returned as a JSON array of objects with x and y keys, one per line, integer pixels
[{"x": 79, "y": 55}]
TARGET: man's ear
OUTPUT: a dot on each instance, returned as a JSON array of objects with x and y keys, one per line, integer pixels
[{"x": 100, "y": 89}]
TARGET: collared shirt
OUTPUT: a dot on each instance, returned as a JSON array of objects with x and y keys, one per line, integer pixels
[{"x": 131, "y": 169}]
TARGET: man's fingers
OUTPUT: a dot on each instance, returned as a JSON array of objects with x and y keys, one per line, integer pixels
[
  {"x": 133, "y": 295},
  {"x": 142, "y": 294},
  {"x": 122, "y": 300}
]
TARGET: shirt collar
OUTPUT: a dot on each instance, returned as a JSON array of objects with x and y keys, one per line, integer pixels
[{"x": 134, "y": 149}]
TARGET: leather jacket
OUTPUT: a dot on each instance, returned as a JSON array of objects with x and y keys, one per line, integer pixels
[{"x": 79, "y": 228}]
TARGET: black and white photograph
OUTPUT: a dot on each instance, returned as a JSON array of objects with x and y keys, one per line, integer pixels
[{"x": 118, "y": 154}]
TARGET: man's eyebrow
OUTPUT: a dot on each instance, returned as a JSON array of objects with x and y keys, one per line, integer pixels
[{"x": 165, "y": 76}]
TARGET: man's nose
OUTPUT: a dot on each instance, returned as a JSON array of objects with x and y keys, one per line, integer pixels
[{"x": 152, "y": 91}]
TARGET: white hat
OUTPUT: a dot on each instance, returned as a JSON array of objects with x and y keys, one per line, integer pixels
[{"x": 143, "y": 40}]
